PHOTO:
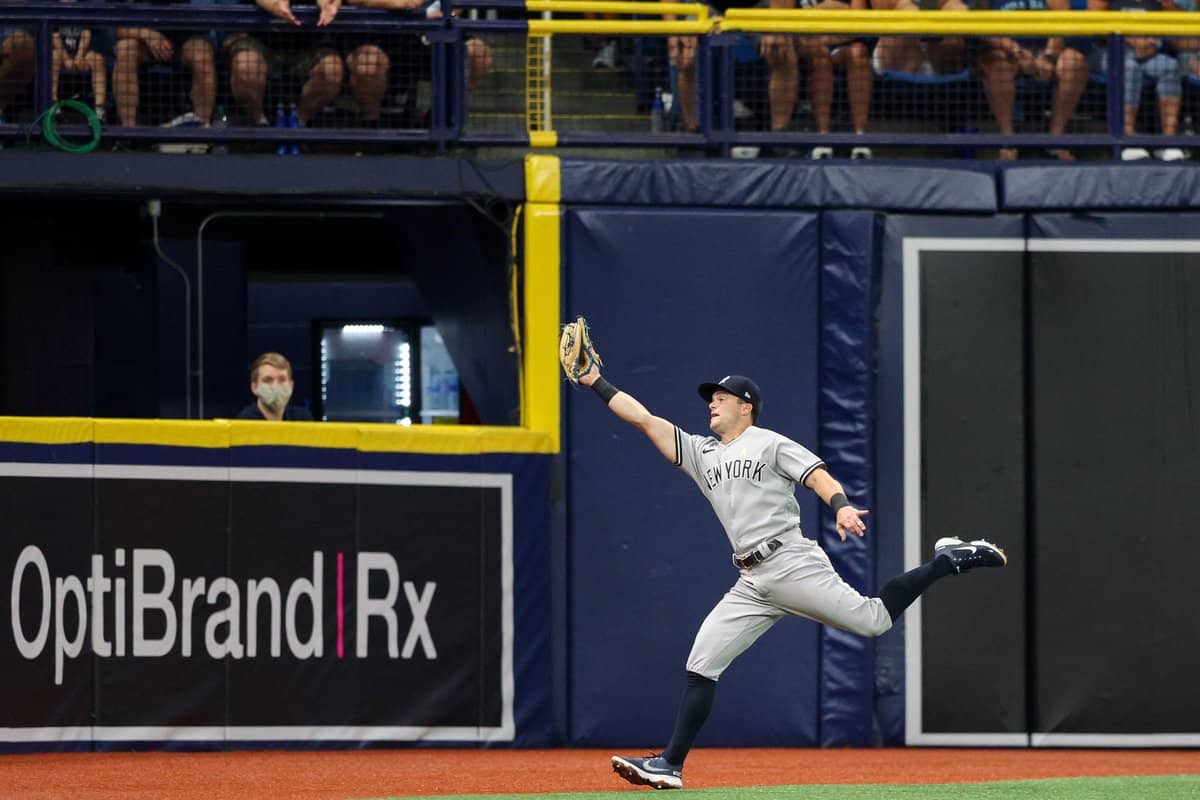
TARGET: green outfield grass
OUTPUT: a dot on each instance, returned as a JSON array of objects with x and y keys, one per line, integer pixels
[{"x": 1168, "y": 787}]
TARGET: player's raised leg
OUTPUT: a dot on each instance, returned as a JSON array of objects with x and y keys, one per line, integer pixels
[{"x": 951, "y": 556}]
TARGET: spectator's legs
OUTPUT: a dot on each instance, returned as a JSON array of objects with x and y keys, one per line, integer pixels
[
  {"x": 682, "y": 52},
  {"x": 197, "y": 55},
  {"x": 783, "y": 85},
  {"x": 129, "y": 54},
  {"x": 947, "y": 55},
  {"x": 479, "y": 62},
  {"x": 820, "y": 79},
  {"x": 368, "y": 67},
  {"x": 1133, "y": 90},
  {"x": 1070, "y": 79},
  {"x": 324, "y": 83},
  {"x": 248, "y": 83},
  {"x": 899, "y": 53},
  {"x": 16, "y": 66},
  {"x": 856, "y": 60},
  {"x": 1164, "y": 70},
  {"x": 1168, "y": 114},
  {"x": 95, "y": 65},
  {"x": 56, "y": 59},
  {"x": 999, "y": 72}
]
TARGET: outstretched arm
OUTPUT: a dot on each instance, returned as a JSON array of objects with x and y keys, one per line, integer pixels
[
  {"x": 658, "y": 430},
  {"x": 830, "y": 491}
]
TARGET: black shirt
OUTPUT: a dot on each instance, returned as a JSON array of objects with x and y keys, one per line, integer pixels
[{"x": 290, "y": 413}]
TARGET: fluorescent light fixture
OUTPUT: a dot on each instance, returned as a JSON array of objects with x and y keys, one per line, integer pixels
[{"x": 361, "y": 330}]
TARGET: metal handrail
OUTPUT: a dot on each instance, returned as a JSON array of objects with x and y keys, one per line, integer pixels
[{"x": 979, "y": 23}]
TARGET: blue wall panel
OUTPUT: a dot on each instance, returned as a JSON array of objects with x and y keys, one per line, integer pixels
[
  {"x": 675, "y": 298},
  {"x": 848, "y": 284}
]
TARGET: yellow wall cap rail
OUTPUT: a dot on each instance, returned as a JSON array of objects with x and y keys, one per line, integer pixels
[
  {"x": 216, "y": 434},
  {"x": 647, "y": 27},
  {"x": 645, "y": 8},
  {"x": 983, "y": 23}
]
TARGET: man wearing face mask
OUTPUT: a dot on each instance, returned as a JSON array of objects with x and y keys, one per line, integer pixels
[{"x": 271, "y": 385}]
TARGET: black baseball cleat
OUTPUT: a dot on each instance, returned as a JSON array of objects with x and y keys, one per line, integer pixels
[
  {"x": 968, "y": 555},
  {"x": 653, "y": 770}
]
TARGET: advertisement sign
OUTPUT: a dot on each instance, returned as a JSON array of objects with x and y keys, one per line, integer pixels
[{"x": 151, "y": 603}]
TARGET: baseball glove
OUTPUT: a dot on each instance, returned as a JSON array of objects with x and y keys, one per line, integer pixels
[{"x": 575, "y": 350}]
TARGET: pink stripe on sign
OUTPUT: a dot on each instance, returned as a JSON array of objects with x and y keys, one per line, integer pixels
[{"x": 341, "y": 614}]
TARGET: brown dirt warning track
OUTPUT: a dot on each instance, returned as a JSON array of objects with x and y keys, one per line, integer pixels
[{"x": 273, "y": 775}]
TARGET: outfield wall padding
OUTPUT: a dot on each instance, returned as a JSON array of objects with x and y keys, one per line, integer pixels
[
  {"x": 677, "y": 297},
  {"x": 212, "y": 595}
]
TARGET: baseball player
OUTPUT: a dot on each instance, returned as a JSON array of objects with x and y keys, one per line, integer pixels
[{"x": 749, "y": 474}]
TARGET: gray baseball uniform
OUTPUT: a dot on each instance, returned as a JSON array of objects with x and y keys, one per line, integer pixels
[{"x": 751, "y": 483}]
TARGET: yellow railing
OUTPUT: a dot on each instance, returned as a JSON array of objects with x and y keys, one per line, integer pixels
[
  {"x": 700, "y": 24},
  {"x": 769, "y": 20},
  {"x": 218, "y": 434},
  {"x": 648, "y": 9},
  {"x": 979, "y": 23}
]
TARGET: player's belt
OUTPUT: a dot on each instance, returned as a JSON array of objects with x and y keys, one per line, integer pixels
[{"x": 757, "y": 555}]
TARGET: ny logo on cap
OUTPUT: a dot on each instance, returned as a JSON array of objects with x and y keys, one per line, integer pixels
[{"x": 727, "y": 377}]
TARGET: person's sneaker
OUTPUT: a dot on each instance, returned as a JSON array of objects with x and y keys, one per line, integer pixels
[
  {"x": 188, "y": 120},
  {"x": 968, "y": 555},
  {"x": 650, "y": 771},
  {"x": 607, "y": 57},
  {"x": 1134, "y": 154},
  {"x": 1170, "y": 154},
  {"x": 860, "y": 152},
  {"x": 820, "y": 152},
  {"x": 744, "y": 151}
]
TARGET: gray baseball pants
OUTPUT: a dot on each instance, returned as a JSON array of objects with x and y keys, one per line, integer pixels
[{"x": 797, "y": 580}]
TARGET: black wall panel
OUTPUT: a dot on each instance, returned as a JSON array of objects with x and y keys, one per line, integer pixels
[
  {"x": 973, "y": 486},
  {"x": 1117, "y": 419}
]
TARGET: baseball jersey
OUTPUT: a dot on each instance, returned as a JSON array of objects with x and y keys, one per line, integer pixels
[{"x": 751, "y": 482}]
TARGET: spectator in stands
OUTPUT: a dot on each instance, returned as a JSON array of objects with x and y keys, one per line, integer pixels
[
  {"x": 824, "y": 54},
  {"x": 413, "y": 51},
  {"x": 608, "y": 49},
  {"x": 681, "y": 50},
  {"x": 190, "y": 49},
  {"x": 1188, "y": 49},
  {"x": 1145, "y": 58},
  {"x": 314, "y": 59},
  {"x": 916, "y": 54},
  {"x": 1004, "y": 59},
  {"x": 72, "y": 52},
  {"x": 271, "y": 384},
  {"x": 16, "y": 64},
  {"x": 782, "y": 53}
]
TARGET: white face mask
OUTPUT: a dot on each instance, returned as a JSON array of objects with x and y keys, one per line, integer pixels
[{"x": 274, "y": 395}]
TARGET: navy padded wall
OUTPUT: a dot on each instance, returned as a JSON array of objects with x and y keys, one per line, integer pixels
[{"x": 676, "y": 298}]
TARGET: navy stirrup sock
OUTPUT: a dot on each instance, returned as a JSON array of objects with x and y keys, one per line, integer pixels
[
  {"x": 899, "y": 593},
  {"x": 693, "y": 711}
]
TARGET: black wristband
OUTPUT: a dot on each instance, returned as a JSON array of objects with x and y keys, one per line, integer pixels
[
  {"x": 838, "y": 502},
  {"x": 605, "y": 389}
]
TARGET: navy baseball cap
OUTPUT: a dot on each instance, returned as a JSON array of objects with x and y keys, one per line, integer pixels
[{"x": 736, "y": 385}]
